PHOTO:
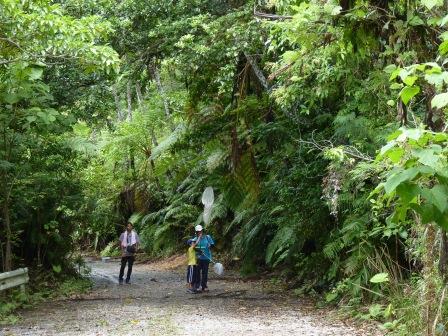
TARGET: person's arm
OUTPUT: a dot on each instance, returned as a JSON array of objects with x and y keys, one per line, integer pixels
[
  {"x": 195, "y": 242},
  {"x": 137, "y": 242},
  {"x": 210, "y": 240},
  {"x": 120, "y": 244}
]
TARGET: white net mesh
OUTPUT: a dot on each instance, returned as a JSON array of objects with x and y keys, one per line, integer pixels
[
  {"x": 218, "y": 268},
  {"x": 208, "y": 197}
]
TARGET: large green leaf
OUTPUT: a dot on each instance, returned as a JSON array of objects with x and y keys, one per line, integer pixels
[
  {"x": 408, "y": 93},
  {"x": 440, "y": 100},
  {"x": 36, "y": 73},
  {"x": 410, "y": 80},
  {"x": 411, "y": 133},
  {"x": 437, "y": 79},
  {"x": 440, "y": 197},
  {"x": 11, "y": 98},
  {"x": 444, "y": 21},
  {"x": 430, "y": 4},
  {"x": 395, "y": 154},
  {"x": 443, "y": 47},
  {"x": 427, "y": 157},
  {"x": 416, "y": 21},
  {"x": 407, "y": 192},
  {"x": 403, "y": 176}
]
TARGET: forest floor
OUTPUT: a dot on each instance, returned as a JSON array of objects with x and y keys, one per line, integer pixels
[{"x": 157, "y": 303}]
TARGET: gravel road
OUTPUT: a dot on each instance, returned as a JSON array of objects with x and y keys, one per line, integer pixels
[{"x": 157, "y": 303}]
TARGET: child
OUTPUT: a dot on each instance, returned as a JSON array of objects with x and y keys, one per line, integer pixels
[{"x": 192, "y": 272}]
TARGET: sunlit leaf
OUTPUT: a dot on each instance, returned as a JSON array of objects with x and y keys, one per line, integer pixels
[
  {"x": 380, "y": 278},
  {"x": 408, "y": 93}
]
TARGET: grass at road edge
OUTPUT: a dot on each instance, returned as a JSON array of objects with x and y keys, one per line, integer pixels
[{"x": 49, "y": 288}]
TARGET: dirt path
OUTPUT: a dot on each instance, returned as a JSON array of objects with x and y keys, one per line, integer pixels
[{"x": 156, "y": 303}]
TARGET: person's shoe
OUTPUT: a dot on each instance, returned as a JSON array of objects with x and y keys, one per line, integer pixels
[
  {"x": 205, "y": 289},
  {"x": 120, "y": 281},
  {"x": 192, "y": 291},
  {"x": 128, "y": 282}
]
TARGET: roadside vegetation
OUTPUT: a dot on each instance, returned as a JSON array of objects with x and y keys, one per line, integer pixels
[{"x": 321, "y": 125}]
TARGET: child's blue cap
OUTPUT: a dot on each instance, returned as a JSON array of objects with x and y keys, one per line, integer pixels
[{"x": 189, "y": 241}]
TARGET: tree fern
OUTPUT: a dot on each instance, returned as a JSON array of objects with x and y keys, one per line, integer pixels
[
  {"x": 215, "y": 160},
  {"x": 168, "y": 142},
  {"x": 246, "y": 178},
  {"x": 82, "y": 145},
  {"x": 278, "y": 248}
]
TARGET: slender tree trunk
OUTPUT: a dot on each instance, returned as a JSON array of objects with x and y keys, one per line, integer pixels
[
  {"x": 156, "y": 75},
  {"x": 8, "y": 236},
  {"x": 235, "y": 149},
  {"x": 257, "y": 71},
  {"x": 2, "y": 255},
  {"x": 138, "y": 91},
  {"x": 429, "y": 277},
  {"x": 129, "y": 99},
  {"x": 131, "y": 161},
  {"x": 443, "y": 258},
  {"x": 161, "y": 89},
  {"x": 117, "y": 103}
]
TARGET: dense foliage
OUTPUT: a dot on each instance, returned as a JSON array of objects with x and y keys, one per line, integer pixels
[{"x": 320, "y": 125}]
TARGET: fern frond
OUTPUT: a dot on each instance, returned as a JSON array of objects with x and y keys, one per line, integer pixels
[
  {"x": 215, "y": 160},
  {"x": 82, "y": 145},
  {"x": 168, "y": 142},
  {"x": 278, "y": 248}
]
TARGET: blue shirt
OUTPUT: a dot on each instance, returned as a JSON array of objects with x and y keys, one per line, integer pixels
[{"x": 203, "y": 247}]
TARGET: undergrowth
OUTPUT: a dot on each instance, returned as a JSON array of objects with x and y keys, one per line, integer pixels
[
  {"x": 111, "y": 250},
  {"x": 45, "y": 287}
]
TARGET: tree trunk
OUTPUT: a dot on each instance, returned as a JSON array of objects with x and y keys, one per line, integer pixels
[
  {"x": 2, "y": 255},
  {"x": 129, "y": 99},
  {"x": 429, "y": 277},
  {"x": 138, "y": 90},
  {"x": 117, "y": 103},
  {"x": 257, "y": 71},
  {"x": 443, "y": 258},
  {"x": 402, "y": 113},
  {"x": 156, "y": 75},
  {"x": 8, "y": 235}
]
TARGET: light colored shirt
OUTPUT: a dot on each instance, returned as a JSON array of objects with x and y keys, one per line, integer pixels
[{"x": 125, "y": 253}]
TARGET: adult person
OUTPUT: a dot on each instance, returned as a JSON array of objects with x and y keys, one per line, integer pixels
[
  {"x": 204, "y": 256},
  {"x": 129, "y": 242}
]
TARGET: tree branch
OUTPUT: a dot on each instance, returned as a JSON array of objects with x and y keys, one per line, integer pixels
[
  {"x": 257, "y": 71},
  {"x": 8, "y": 40},
  {"x": 272, "y": 17},
  {"x": 328, "y": 144}
]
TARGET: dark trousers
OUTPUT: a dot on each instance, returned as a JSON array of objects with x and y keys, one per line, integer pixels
[
  {"x": 130, "y": 261},
  {"x": 202, "y": 271},
  {"x": 192, "y": 275}
]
